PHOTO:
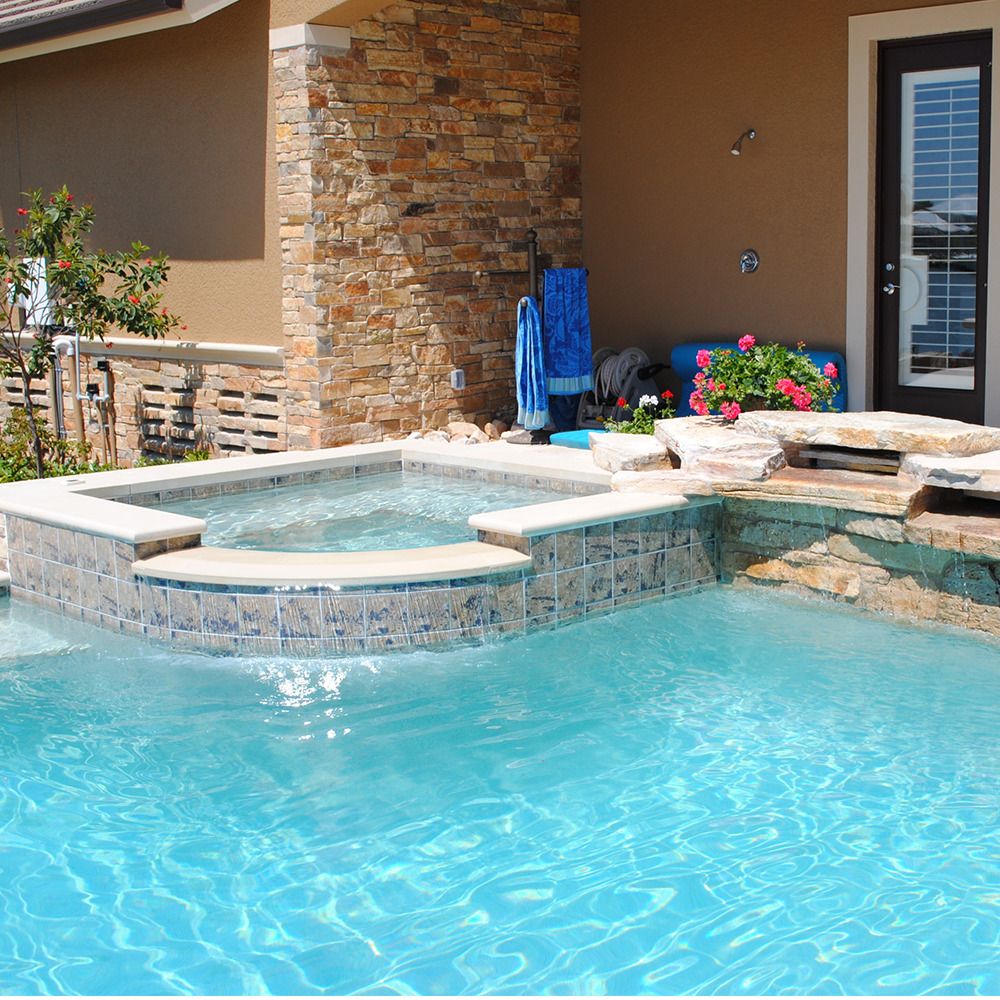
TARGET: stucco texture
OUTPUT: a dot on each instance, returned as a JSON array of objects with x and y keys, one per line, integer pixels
[
  {"x": 171, "y": 134},
  {"x": 667, "y": 87}
]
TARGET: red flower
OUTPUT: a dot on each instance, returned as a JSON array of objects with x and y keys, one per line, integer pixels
[
  {"x": 22, "y": 211},
  {"x": 69, "y": 197},
  {"x": 184, "y": 327},
  {"x": 668, "y": 395},
  {"x": 133, "y": 298},
  {"x": 622, "y": 401},
  {"x": 149, "y": 260},
  {"x": 63, "y": 264}
]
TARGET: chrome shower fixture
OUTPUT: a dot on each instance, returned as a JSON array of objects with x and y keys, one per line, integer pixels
[{"x": 738, "y": 145}]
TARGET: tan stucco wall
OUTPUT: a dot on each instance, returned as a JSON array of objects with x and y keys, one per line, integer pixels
[
  {"x": 668, "y": 86},
  {"x": 172, "y": 133},
  {"x": 344, "y": 13}
]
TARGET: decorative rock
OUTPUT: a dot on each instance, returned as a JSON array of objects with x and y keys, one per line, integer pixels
[
  {"x": 980, "y": 472},
  {"x": 883, "y": 430},
  {"x": 461, "y": 439},
  {"x": 890, "y": 496},
  {"x": 415, "y": 436},
  {"x": 500, "y": 426},
  {"x": 438, "y": 437},
  {"x": 672, "y": 482},
  {"x": 712, "y": 448},
  {"x": 492, "y": 432},
  {"x": 462, "y": 427},
  {"x": 617, "y": 452}
]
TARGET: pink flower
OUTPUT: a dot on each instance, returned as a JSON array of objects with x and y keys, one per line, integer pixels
[
  {"x": 730, "y": 410},
  {"x": 830, "y": 370},
  {"x": 711, "y": 385},
  {"x": 720, "y": 387},
  {"x": 704, "y": 358},
  {"x": 801, "y": 399},
  {"x": 785, "y": 386},
  {"x": 697, "y": 401},
  {"x": 747, "y": 342},
  {"x": 699, "y": 377}
]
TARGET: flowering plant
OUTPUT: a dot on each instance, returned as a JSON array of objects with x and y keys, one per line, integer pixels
[
  {"x": 760, "y": 377},
  {"x": 650, "y": 408}
]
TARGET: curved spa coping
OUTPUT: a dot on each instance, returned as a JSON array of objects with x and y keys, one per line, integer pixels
[{"x": 258, "y": 568}]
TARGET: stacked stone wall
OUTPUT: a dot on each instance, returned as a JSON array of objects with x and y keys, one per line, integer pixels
[
  {"x": 889, "y": 565},
  {"x": 168, "y": 408},
  {"x": 410, "y": 169}
]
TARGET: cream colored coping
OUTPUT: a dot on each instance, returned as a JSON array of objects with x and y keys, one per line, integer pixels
[
  {"x": 249, "y": 567},
  {"x": 83, "y": 503},
  {"x": 577, "y": 512},
  {"x": 200, "y": 351}
]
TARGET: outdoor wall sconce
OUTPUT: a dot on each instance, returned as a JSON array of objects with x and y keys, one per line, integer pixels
[
  {"x": 749, "y": 261},
  {"x": 738, "y": 145}
]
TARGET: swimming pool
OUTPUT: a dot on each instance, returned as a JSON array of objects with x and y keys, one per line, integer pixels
[
  {"x": 386, "y": 510},
  {"x": 724, "y": 792}
]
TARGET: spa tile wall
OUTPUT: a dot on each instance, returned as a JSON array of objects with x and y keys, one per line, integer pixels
[
  {"x": 566, "y": 486},
  {"x": 586, "y": 571}
]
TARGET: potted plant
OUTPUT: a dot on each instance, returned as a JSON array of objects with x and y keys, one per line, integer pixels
[{"x": 761, "y": 377}]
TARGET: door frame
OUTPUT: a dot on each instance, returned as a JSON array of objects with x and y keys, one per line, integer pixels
[{"x": 865, "y": 31}]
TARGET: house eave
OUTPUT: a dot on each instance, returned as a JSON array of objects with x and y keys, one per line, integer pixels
[{"x": 140, "y": 22}]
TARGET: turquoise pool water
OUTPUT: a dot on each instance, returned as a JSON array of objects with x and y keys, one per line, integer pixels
[
  {"x": 718, "y": 793},
  {"x": 389, "y": 510}
]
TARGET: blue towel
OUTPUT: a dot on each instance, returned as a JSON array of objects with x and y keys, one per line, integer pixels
[
  {"x": 529, "y": 367},
  {"x": 569, "y": 360}
]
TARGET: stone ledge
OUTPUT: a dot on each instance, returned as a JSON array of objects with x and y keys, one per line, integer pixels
[
  {"x": 882, "y": 430},
  {"x": 893, "y": 496}
]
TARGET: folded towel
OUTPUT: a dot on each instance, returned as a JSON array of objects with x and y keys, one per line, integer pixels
[
  {"x": 569, "y": 360},
  {"x": 529, "y": 367}
]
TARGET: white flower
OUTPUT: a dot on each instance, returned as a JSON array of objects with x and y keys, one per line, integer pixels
[{"x": 650, "y": 401}]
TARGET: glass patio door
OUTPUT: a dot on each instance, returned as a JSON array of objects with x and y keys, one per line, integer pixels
[{"x": 933, "y": 171}]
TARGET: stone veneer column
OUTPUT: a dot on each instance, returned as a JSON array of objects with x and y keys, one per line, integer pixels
[{"x": 410, "y": 168}]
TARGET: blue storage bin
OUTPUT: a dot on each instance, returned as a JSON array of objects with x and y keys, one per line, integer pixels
[{"x": 683, "y": 360}]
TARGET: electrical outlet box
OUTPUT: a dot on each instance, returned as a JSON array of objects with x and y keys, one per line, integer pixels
[{"x": 458, "y": 379}]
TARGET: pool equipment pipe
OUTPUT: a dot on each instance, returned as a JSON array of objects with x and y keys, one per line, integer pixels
[
  {"x": 70, "y": 346},
  {"x": 738, "y": 145}
]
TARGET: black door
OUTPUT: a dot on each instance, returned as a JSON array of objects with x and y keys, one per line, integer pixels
[{"x": 933, "y": 200}]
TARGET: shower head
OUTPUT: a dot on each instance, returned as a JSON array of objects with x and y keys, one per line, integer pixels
[{"x": 738, "y": 145}]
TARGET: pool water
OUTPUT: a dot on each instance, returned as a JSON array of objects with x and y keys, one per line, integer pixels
[
  {"x": 718, "y": 793},
  {"x": 388, "y": 510}
]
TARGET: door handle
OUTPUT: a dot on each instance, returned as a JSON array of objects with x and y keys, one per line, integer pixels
[{"x": 890, "y": 288}]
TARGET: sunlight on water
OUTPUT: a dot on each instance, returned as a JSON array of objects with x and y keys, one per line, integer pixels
[{"x": 720, "y": 793}]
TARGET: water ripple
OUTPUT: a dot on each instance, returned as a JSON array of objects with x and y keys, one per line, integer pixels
[{"x": 808, "y": 803}]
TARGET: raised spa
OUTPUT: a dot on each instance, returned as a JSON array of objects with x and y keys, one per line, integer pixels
[{"x": 387, "y": 510}]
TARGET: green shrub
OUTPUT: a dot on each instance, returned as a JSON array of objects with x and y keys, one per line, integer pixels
[{"x": 59, "y": 457}]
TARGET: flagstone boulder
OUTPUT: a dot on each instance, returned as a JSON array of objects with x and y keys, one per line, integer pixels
[
  {"x": 711, "y": 447},
  {"x": 882, "y": 430}
]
